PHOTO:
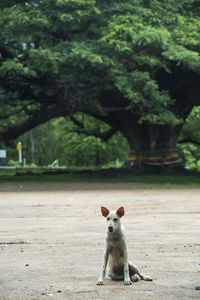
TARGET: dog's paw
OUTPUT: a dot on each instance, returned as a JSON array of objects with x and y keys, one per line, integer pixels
[
  {"x": 100, "y": 282},
  {"x": 127, "y": 282}
]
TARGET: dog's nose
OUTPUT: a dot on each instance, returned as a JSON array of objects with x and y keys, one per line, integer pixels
[{"x": 110, "y": 228}]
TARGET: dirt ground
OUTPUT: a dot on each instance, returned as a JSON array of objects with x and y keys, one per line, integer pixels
[{"x": 52, "y": 241}]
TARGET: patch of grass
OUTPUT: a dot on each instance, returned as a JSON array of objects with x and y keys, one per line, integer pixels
[{"x": 101, "y": 176}]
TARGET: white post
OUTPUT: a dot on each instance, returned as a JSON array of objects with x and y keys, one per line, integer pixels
[
  {"x": 20, "y": 156},
  {"x": 19, "y": 148}
]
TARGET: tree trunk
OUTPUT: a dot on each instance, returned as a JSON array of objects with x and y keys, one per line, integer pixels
[
  {"x": 32, "y": 141},
  {"x": 151, "y": 137},
  {"x": 50, "y": 142},
  {"x": 153, "y": 147},
  {"x": 97, "y": 158}
]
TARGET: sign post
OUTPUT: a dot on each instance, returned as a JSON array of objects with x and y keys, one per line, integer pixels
[
  {"x": 3, "y": 157},
  {"x": 19, "y": 149}
]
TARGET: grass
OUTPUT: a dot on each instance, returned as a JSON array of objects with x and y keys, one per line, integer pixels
[{"x": 112, "y": 176}]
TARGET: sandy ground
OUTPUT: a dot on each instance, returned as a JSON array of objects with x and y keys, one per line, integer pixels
[{"x": 52, "y": 241}]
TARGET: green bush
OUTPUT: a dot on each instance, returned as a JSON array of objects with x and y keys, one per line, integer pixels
[{"x": 13, "y": 163}]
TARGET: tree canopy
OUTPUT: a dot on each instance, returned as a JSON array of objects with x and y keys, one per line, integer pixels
[{"x": 133, "y": 64}]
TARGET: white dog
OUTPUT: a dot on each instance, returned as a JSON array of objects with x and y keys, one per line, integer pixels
[{"x": 116, "y": 250}]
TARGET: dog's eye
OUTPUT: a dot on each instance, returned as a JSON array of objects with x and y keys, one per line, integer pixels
[
  {"x": 115, "y": 219},
  {"x": 108, "y": 219}
]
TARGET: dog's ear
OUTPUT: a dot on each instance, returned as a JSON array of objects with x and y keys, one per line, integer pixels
[
  {"x": 120, "y": 212},
  {"x": 104, "y": 211}
]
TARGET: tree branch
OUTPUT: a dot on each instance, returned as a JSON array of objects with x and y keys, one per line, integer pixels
[
  {"x": 104, "y": 136},
  {"x": 104, "y": 109},
  {"x": 189, "y": 141},
  {"x": 40, "y": 116},
  {"x": 24, "y": 107},
  {"x": 77, "y": 122}
]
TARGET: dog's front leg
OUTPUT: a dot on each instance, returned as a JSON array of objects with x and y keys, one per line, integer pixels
[
  {"x": 127, "y": 280},
  {"x": 103, "y": 273}
]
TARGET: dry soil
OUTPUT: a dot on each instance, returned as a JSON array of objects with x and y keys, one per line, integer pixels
[{"x": 52, "y": 241}]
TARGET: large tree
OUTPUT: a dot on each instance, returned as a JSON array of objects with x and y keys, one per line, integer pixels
[{"x": 133, "y": 64}]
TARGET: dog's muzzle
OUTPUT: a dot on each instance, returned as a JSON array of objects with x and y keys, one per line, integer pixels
[{"x": 110, "y": 229}]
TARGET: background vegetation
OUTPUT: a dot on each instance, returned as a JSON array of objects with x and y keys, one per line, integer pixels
[
  {"x": 85, "y": 81},
  {"x": 60, "y": 139}
]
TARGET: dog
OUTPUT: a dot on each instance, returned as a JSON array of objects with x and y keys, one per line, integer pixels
[{"x": 116, "y": 251}]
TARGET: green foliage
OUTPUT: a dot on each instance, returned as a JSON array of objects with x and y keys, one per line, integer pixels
[
  {"x": 79, "y": 40},
  {"x": 162, "y": 118},
  {"x": 190, "y": 151},
  {"x": 190, "y": 155},
  {"x": 58, "y": 140},
  {"x": 83, "y": 150},
  {"x": 191, "y": 128},
  {"x": 13, "y": 163},
  {"x": 145, "y": 39},
  {"x": 106, "y": 59}
]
